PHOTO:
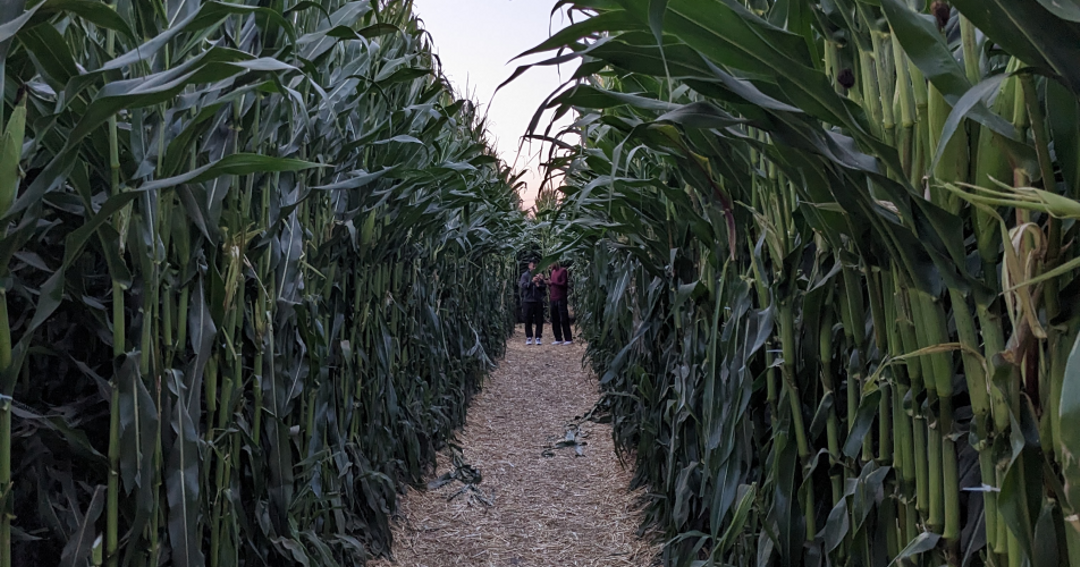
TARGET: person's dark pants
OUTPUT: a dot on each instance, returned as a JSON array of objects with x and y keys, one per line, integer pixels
[
  {"x": 560, "y": 320},
  {"x": 534, "y": 313}
]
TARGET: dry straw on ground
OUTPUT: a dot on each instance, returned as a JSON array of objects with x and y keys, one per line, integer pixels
[{"x": 564, "y": 510}]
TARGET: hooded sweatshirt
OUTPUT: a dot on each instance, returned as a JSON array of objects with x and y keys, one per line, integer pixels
[{"x": 531, "y": 292}]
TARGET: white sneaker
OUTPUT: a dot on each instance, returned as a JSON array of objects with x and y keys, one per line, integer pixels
[
  {"x": 528, "y": 341},
  {"x": 568, "y": 342},
  {"x": 539, "y": 342}
]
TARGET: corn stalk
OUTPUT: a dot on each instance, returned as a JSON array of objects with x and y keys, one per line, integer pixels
[{"x": 882, "y": 179}]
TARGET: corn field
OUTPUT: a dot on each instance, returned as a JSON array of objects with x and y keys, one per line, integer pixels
[
  {"x": 254, "y": 257},
  {"x": 829, "y": 272}
]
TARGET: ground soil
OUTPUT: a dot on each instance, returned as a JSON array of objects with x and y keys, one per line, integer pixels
[{"x": 549, "y": 506}]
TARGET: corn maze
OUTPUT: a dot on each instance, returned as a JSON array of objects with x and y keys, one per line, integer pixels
[{"x": 258, "y": 256}]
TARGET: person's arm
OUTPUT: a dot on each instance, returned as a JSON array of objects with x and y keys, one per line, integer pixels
[{"x": 524, "y": 281}]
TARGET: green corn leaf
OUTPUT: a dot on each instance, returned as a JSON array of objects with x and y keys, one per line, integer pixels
[
  {"x": 138, "y": 424},
  {"x": 51, "y": 54},
  {"x": 11, "y": 143},
  {"x": 868, "y": 408},
  {"x": 1063, "y": 111},
  {"x": 1069, "y": 413},
  {"x": 208, "y": 13},
  {"x": 656, "y": 19},
  {"x": 837, "y": 526},
  {"x": 77, "y": 550},
  {"x": 1021, "y": 28},
  {"x": 138, "y": 436},
  {"x": 232, "y": 164},
  {"x": 739, "y": 518},
  {"x": 613, "y": 20},
  {"x": 1064, "y": 9},
  {"x": 921, "y": 544},
  {"x": 700, "y": 115},
  {"x": 11, "y": 27},
  {"x": 97, "y": 13},
  {"x": 182, "y": 480}
]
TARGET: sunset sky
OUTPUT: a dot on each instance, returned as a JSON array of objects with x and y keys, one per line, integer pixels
[{"x": 476, "y": 39}]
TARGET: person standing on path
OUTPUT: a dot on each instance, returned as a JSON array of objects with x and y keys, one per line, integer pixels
[
  {"x": 560, "y": 315},
  {"x": 533, "y": 290}
]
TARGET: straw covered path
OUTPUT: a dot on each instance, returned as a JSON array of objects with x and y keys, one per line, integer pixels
[{"x": 537, "y": 504}]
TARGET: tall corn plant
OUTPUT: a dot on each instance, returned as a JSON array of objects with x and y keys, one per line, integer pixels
[
  {"x": 830, "y": 279},
  {"x": 253, "y": 272}
]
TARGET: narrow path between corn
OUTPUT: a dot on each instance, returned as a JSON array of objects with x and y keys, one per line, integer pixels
[{"x": 561, "y": 510}]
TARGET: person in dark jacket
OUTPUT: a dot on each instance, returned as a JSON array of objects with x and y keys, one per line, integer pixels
[
  {"x": 560, "y": 315},
  {"x": 533, "y": 289}
]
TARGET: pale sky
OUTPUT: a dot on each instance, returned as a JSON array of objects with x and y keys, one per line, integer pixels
[{"x": 476, "y": 39}]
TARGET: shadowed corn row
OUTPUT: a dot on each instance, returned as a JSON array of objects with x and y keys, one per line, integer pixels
[
  {"x": 254, "y": 266},
  {"x": 830, "y": 273}
]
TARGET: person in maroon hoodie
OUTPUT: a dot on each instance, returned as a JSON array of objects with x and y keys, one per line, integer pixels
[{"x": 560, "y": 316}]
